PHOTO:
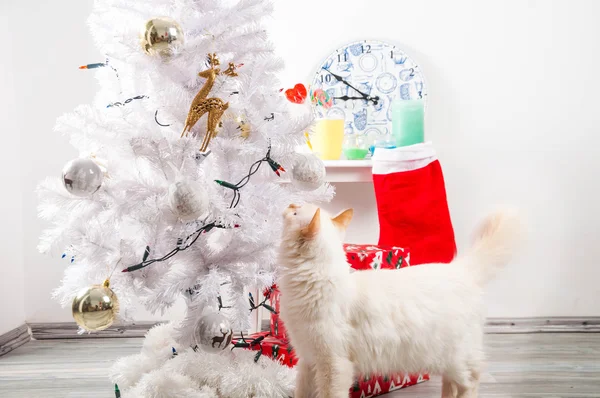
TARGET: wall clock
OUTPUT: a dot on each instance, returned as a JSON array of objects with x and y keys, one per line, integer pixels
[{"x": 363, "y": 78}]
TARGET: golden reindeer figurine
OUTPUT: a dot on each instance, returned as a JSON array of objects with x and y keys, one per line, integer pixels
[{"x": 213, "y": 106}]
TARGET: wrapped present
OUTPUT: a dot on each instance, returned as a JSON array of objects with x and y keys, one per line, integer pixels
[
  {"x": 276, "y": 324},
  {"x": 363, "y": 387},
  {"x": 364, "y": 257},
  {"x": 372, "y": 386},
  {"x": 272, "y": 347}
]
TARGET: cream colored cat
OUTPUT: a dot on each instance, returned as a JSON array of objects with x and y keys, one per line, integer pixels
[{"x": 423, "y": 318}]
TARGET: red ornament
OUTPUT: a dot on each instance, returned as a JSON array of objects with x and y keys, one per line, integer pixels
[{"x": 297, "y": 95}]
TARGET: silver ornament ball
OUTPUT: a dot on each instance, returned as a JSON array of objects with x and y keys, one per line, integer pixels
[
  {"x": 213, "y": 332},
  {"x": 308, "y": 172},
  {"x": 82, "y": 177},
  {"x": 188, "y": 199}
]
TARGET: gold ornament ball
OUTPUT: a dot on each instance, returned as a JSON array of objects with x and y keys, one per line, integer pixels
[
  {"x": 161, "y": 35},
  {"x": 95, "y": 307}
]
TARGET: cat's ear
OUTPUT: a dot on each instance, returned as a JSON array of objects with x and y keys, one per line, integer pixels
[
  {"x": 312, "y": 229},
  {"x": 342, "y": 220}
]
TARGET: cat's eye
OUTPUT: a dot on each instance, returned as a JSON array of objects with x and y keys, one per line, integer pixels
[{"x": 294, "y": 213}]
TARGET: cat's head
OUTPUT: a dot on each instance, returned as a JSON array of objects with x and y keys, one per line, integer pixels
[{"x": 309, "y": 223}]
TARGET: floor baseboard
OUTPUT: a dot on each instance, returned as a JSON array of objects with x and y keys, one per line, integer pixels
[
  {"x": 13, "y": 339},
  {"x": 532, "y": 325},
  {"x": 68, "y": 330},
  {"x": 543, "y": 325}
]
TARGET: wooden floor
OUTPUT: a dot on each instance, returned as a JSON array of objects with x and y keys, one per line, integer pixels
[{"x": 520, "y": 365}]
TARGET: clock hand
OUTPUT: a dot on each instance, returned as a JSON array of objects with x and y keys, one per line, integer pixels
[
  {"x": 346, "y": 98},
  {"x": 375, "y": 100},
  {"x": 341, "y": 79},
  {"x": 337, "y": 77}
]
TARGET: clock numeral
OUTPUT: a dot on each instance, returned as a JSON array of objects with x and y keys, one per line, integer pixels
[
  {"x": 326, "y": 78},
  {"x": 392, "y": 54},
  {"x": 412, "y": 72},
  {"x": 368, "y": 49},
  {"x": 344, "y": 56}
]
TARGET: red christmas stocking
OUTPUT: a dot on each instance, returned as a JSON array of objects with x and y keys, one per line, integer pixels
[{"x": 411, "y": 203}]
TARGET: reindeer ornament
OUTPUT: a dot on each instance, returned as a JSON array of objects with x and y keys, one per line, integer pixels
[{"x": 214, "y": 107}]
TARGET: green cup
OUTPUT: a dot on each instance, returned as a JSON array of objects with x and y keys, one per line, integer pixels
[{"x": 408, "y": 119}]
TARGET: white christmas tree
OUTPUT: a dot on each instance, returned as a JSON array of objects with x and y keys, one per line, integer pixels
[{"x": 180, "y": 221}]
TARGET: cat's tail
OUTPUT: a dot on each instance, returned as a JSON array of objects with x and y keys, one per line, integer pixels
[{"x": 496, "y": 240}]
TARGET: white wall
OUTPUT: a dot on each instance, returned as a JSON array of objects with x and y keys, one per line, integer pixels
[
  {"x": 12, "y": 295},
  {"x": 50, "y": 41},
  {"x": 513, "y": 95},
  {"x": 513, "y": 89}
]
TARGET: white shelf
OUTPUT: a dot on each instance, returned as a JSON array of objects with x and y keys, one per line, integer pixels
[
  {"x": 348, "y": 170},
  {"x": 348, "y": 163}
]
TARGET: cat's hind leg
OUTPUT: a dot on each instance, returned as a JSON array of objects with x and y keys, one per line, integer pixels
[
  {"x": 474, "y": 391},
  {"x": 334, "y": 377},
  {"x": 449, "y": 389},
  {"x": 467, "y": 362},
  {"x": 461, "y": 384}
]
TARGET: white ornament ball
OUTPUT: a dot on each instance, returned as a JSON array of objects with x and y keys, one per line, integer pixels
[
  {"x": 213, "y": 332},
  {"x": 82, "y": 177},
  {"x": 308, "y": 172},
  {"x": 188, "y": 199}
]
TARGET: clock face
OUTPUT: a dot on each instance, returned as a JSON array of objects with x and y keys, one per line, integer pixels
[{"x": 363, "y": 78}]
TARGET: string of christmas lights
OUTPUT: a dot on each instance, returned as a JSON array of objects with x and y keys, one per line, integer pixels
[
  {"x": 128, "y": 100},
  {"x": 184, "y": 244},
  {"x": 242, "y": 343},
  {"x": 192, "y": 238},
  {"x": 157, "y": 122},
  {"x": 263, "y": 303},
  {"x": 276, "y": 167},
  {"x": 100, "y": 65}
]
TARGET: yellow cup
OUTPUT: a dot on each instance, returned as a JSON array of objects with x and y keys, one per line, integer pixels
[{"x": 328, "y": 138}]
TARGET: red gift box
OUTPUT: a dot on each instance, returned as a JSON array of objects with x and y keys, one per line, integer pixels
[
  {"x": 276, "y": 324},
  {"x": 378, "y": 385},
  {"x": 272, "y": 347},
  {"x": 363, "y": 387},
  {"x": 362, "y": 257}
]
